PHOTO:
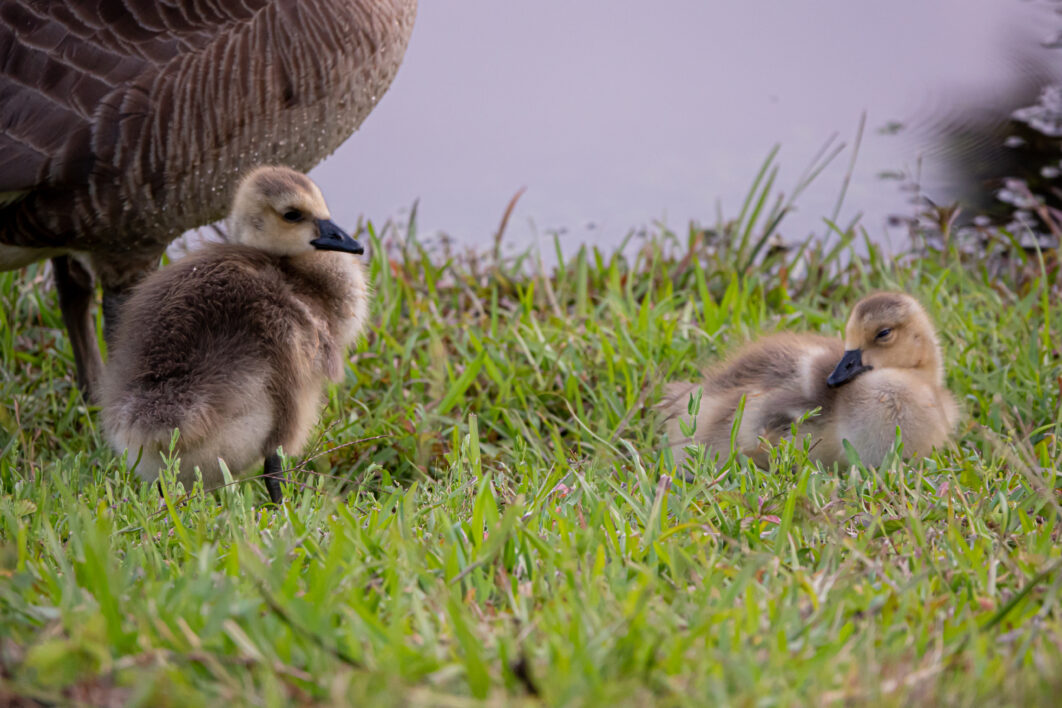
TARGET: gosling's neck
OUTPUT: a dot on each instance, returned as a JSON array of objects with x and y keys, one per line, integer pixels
[
  {"x": 931, "y": 369},
  {"x": 339, "y": 283}
]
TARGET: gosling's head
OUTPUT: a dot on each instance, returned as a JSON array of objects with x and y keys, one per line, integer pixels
[
  {"x": 888, "y": 330},
  {"x": 281, "y": 211}
]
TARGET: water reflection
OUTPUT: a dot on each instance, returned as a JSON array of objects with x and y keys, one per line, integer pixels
[
  {"x": 615, "y": 114},
  {"x": 1001, "y": 158}
]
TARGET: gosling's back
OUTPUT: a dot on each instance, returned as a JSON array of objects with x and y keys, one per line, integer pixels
[
  {"x": 231, "y": 345},
  {"x": 782, "y": 377}
]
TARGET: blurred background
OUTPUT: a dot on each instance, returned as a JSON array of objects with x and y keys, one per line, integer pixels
[{"x": 618, "y": 115}]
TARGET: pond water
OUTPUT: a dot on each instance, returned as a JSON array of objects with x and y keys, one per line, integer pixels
[{"x": 618, "y": 114}]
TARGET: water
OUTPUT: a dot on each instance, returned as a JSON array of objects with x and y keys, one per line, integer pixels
[{"x": 617, "y": 114}]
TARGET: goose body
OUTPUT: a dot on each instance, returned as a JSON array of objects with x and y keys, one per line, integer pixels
[
  {"x": 233, "y": 344},
  {"x": 886, "y": 374},
  {"x": 123, "y": 124}
]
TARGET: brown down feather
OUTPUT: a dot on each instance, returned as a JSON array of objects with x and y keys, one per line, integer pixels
[
  {"x": 198, "y": 333},
  {"x": 232, "y": 345}
]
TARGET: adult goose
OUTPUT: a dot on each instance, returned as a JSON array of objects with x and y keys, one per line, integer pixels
[
  {"x": 232, "y": 345},
  {"x": 886, "y": 373},
  {"x": 124, "y": 123}
]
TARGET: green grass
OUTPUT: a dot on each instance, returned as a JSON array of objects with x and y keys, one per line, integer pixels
[{"x": 487, "y": 514}]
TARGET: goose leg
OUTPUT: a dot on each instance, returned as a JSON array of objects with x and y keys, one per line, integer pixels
[
  {"x": 273, "y": 477},
  {"x": 118, "y": 277},
  {"x": 76, "y": 292},
  {"x": 112, "y": 303}
]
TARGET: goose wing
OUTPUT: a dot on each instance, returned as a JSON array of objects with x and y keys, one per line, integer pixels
[
  {"x": 118, "y": 116},
  {"x": 74, "y": 70}
]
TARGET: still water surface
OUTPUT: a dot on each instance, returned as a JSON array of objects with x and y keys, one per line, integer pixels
[{"x": 617, "y": 114}]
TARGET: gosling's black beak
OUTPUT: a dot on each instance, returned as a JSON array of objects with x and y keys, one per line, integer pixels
[
  {"x": 332, "y": 238},
  {"x": 851, "y": 365}
]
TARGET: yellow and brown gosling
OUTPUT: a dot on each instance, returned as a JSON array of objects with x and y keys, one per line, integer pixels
[
  {"x": 886, "y": 374},
  {"x": 234, "y": 344}
]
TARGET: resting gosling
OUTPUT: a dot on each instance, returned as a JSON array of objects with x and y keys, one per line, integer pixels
[
  {"x": 887, "y": 372},
  {"x": 233, "y": 344}
]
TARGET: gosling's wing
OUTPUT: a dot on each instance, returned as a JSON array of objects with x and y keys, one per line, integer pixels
[{"x": 781, "y": 377}]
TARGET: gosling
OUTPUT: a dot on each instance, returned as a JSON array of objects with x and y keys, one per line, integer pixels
[
  {"x": 234, "y": 344},
  {"x": 886, "y": 374}
]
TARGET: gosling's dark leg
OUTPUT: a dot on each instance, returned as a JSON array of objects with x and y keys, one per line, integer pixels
[
  {"x": 273, "y": 477},
  {"x": 76, "y": 292}
]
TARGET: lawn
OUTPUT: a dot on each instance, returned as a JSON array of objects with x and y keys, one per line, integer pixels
[{"x": 487, "y": 514}]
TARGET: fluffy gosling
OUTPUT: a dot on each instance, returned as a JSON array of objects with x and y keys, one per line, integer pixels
[
  {"x": 234, "y": 344},
  {"x": 887, "y": 373}
]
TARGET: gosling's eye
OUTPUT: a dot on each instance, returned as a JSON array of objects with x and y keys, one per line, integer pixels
[
  {"x": 882, "y": 334},
  {"x": 293, "y": 215}
]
